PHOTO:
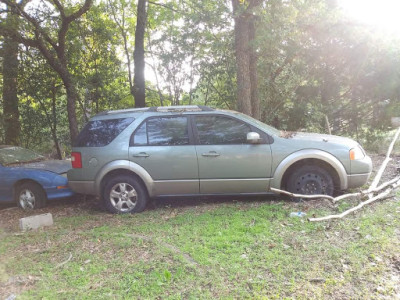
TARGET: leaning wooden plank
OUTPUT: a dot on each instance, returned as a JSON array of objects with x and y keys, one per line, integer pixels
[
  {"x": 384, "y": 164},
  {"x": 342, "y": 197},
  {"x": 366, "y": 192},
  {"x": 362, "y": 204}
]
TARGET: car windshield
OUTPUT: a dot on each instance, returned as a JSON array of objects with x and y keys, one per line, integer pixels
[
  {"x": 268, "y": 128},
  {"x": 15, "y": 155}
]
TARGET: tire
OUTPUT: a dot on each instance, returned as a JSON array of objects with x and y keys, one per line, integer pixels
[
  {"x": 124, "y": 194},
  {"x": 310, "y": 180},
  {"x": 30, "y": 196}
]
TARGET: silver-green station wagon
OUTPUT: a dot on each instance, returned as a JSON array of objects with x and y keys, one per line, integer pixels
[{"x": 128, "y": 156}]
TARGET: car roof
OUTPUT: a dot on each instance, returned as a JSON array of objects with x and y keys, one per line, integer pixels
[{"x": 134, "y": 112}]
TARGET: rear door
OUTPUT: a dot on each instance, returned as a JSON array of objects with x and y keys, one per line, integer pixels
[
  {"x": 163, "y": 146},
  {"x": 227, "y": 163}
]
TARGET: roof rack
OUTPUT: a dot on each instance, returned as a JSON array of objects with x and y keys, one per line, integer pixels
[
  {"x": 180, "y": 108},
  {"x": 119, "y": 111}
]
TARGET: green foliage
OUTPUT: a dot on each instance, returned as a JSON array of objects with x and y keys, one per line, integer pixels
[{"x": 313, "y": 65}]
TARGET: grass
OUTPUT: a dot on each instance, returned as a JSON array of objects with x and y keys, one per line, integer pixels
[{"x": 242, "y": 249}]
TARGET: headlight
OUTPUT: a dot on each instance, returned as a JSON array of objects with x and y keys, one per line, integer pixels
[{"x": 356, "y": 153}]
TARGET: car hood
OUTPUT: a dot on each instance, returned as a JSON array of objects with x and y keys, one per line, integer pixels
[
  {"x": 317, "y": 137},
  {"x": 55, "y": 166}
]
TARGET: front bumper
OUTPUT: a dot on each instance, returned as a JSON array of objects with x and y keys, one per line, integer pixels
[
  {"x": 357, "y": 180},
  {"x": 83, "y": 187},
  {"x": 360, "y": 172},
  {"x": 54, "y": 193}
]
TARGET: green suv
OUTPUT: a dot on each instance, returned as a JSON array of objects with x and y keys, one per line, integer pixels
[{"x": 128, "y": 156}]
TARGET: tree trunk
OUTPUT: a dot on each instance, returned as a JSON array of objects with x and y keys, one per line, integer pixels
[
  {"x": 54, "y": 121},
  {"x": 242, "y": 59},
  {"x": 139, "y": 87},
  {"x": 12, "y": 125},
  {"x": 255, "y": 100},
  {"x": 72, "y": 97}
]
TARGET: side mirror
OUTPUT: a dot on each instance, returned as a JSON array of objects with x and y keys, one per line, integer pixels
[{"x": 253, "y": 138}]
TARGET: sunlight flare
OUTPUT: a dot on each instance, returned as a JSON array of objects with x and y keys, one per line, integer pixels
[{"x": 382, "y": 15}]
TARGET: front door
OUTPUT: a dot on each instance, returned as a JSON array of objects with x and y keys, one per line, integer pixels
[
  {"x": 227, "y": 163},
  {"x": 7, "y": 179},
  {"x": 163, "y": 147}
]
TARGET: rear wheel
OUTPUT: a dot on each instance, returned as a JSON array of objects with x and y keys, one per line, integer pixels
[
  {"x": 30, "y": 196},
  {"x": 124, "y": 194},
  {"x": 310, "y": 180}
]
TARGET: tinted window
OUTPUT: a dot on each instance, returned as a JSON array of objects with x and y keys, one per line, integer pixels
[
  {"x": 163, "y": 131},
  {"x": 101, "y": 132},
  {"x": 216, "y": 130},
  {"x": 140, "y": 137}
]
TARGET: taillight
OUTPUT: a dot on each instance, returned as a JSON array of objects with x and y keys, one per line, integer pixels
[{"x": 76, "y": 160}]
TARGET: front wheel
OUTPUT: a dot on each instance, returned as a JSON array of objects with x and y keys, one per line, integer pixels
[
  {"x": 30, "y": 196},
  {"x": 124, "y": 194},
  {"x": 310, "y": 180}
]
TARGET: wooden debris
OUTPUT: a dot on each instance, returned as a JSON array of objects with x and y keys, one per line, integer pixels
[
  {"x": 353, "y": 209},
  {"x": 384, "y": 164},
  {"x": 384, "y": 190},
  {"x": 302, "y": 196}
]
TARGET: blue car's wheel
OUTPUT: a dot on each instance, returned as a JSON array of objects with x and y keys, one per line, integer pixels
[{"x": 30, "y": 196}]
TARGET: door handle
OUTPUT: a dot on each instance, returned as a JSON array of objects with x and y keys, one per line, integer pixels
[
  {"x": 211, "y": 154},
  {"x": 141, "y": 154}
]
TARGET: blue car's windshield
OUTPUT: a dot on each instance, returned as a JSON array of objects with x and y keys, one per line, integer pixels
[{"x": 16, "y": 155}]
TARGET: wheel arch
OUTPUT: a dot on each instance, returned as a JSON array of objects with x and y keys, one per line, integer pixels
[
  {"x": 20, "y": 182},
  {"x": 316, "y": 157},
  {"x": 123, "y": 167}
]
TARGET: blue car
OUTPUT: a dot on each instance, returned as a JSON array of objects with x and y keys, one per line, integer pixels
[{"x": 29, "y": 180}]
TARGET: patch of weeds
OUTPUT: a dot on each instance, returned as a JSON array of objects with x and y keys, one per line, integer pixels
[{"x": 233, "y": 250}]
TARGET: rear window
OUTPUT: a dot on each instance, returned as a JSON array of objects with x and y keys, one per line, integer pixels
[{"x": 100, "y": 133}]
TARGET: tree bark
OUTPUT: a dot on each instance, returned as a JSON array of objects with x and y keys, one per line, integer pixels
[
  {"x": 255, "y": 100},
  {"x": 242, "y": 59},
  {"x": 12, "y": 126},
  {"x": 54, "y": 121},
  {"x": 246, "y": 58},
  {"x": 139, "y": 86}
]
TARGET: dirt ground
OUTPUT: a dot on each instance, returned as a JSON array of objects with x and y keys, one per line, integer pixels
[{"x": 79, "y": 205}]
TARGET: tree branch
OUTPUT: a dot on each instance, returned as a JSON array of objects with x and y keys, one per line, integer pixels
[
  {"x": 302, "y": 196},
  {"x": 19, "y": 9},
  {"x": 60, "y": 8},
  {"x": 362, "y": 204},
  {"x": 15, "y": 35},
  {"x": 165, "y": 6},
  {"x": 385, "y": 162},
  {"x": 65, "y": 22}
]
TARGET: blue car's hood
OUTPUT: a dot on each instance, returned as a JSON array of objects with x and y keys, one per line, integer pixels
[{"x": 55, "y": 166}]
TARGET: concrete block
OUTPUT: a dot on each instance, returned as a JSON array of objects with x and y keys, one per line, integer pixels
[{"x": 35, "y": 222}]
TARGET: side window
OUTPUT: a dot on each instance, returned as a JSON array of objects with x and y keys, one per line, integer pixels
[
  {"x": 218, "y": 130},
  {"x": 99, "y": 133},
  {"x": 162, "y": 131},
  {"x": 140, "y": 137}
]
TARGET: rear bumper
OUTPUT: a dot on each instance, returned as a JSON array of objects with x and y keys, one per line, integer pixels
[{"x": 83, "y": 187}]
